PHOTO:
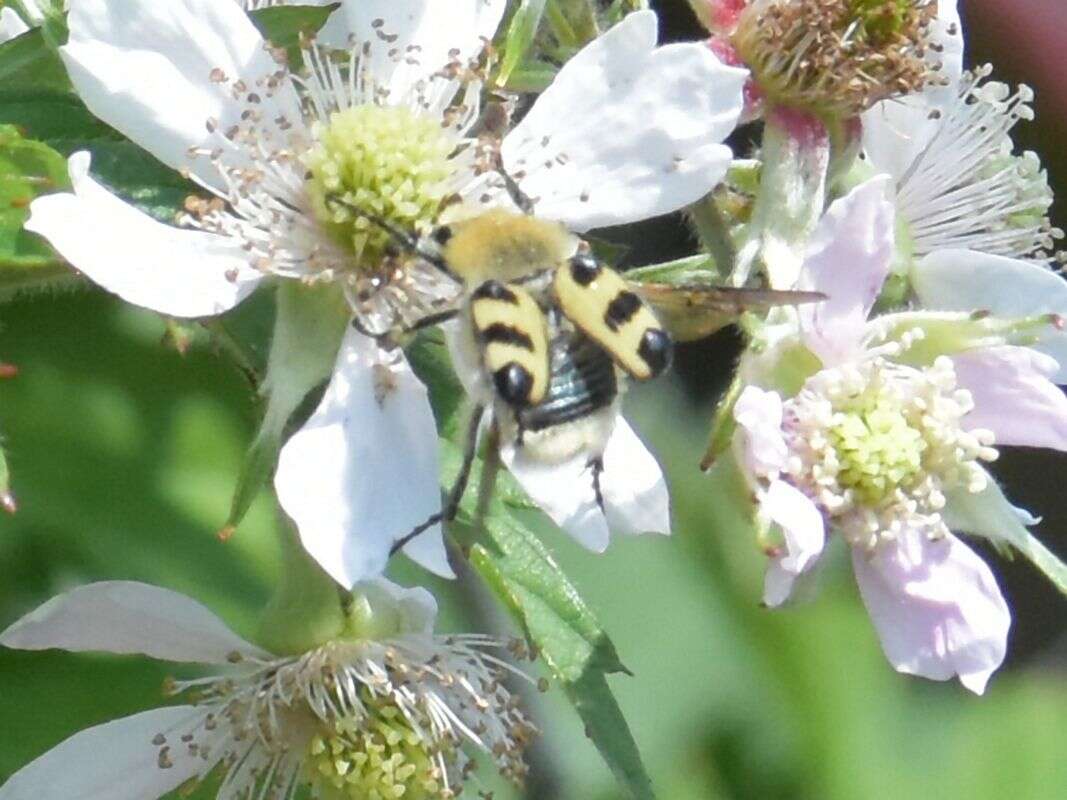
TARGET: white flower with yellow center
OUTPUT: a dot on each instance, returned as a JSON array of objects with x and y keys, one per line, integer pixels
[
  {"x": 883, "y": 441},
  {"x": 974, "y": 231},
  {"x": 386, "y": 717},
  {"x": 628, "y": 130}
]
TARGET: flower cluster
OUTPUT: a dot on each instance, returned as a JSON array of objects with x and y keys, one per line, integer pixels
[{"x": 416, "y": 213}]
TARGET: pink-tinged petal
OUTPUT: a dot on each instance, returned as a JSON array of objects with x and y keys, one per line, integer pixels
[
  {"x": 965, "y": 280},
  {"x": 759, "y": 418},
  {"x": 804, "y": 533},
  {"x": 178, "y": 272},
  {"x": 848, "y": 259},
  {"x": 1013, "y": 396},
  {"x": 635, "y": 494},
  {"x": 146, "y": 68},
  {"x": 409, "y": 41},
  {"x": 363, "y": 471},
  {"x": 113, "y": 761},
  {"x": 627, "y": 130},
  {"x": 129, "y": 618},
  {"x": 937, "y": 608}
]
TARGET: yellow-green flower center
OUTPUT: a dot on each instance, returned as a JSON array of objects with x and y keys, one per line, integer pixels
[
  {"x": 387, "y": 161},
  {"x": 379, "y": 757},
  {"x": 878, "y": 451}
]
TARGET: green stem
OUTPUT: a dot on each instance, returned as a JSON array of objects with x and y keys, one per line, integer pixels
[
  {"x": 308, "y": 608},
  {"x": 792, "y": 195}
]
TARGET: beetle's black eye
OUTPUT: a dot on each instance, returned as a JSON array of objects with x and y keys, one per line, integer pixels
[
  {"x": 584, "y": 269},
  {"x": 442, "y": 235}
]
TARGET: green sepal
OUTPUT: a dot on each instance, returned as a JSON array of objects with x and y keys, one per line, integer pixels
[
  {"x": 307, "y": 608},
  {"x": 989, "y": 514},
  {"x": 308, "y": 328},
  {"x": 949, "y": 332}
]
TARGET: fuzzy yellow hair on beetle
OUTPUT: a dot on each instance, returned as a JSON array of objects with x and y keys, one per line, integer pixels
[{"x": 504, "y": 246}]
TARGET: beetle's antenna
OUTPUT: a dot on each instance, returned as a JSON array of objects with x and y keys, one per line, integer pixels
[
  {"x": 399, "y": 235},
  {"x": 515, "y": 192}
]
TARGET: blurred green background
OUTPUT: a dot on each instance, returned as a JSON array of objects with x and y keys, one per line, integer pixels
[{"x": 124, "y": 457}]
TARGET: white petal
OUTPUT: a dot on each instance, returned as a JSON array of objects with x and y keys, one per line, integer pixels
[
  {"x": 897, "y": 131},
  {"x": 627, "y": 130},
  {"x": 805, "y": 537},
  {"x": 1013, "y": 396},
  {"x": 113, "y": 761},
  {"x": 947, "y": 33},
  {"x": 848, "y": 259},
  {"x": 129, "y": 618},
  {"x": 936, "y": 607},
  {"x": 145, "y": 68},
  {"x": 635, "y": 494},
  {"x": 759, "y": 419},
  {"x": 11, "y": 25},
  {"x": 965, "y": 280},
  {"x": 416, "y": 607},
  {"x": 564, "y": 491},
  {"x": 410, "y": 40},
  {"x": 362, "y": 474},
  {"x": 182, "y": 273}
]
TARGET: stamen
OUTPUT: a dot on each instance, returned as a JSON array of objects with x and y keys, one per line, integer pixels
[
  {"x": 968, "y": 189},
  {"x": 837, "y": 57},
  {"x": 876, "y": 445}
]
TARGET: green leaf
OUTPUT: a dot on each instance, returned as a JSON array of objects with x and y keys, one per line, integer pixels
[
  {"x": 28, "y": 61},
  {"x": 567, "y": 636},
  {"x": 51, "y": 114},
  {"x": 989, "y": 514},
  {"x": 283, "y": 26},
  {"x": 522, "y": 30},
  {"x": 28, "y": 169}
]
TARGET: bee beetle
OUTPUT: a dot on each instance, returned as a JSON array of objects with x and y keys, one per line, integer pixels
[{"x": 547, "y": 334}]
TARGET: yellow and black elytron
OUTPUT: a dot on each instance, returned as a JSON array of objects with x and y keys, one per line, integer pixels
[{"x": 547, "y": 333}]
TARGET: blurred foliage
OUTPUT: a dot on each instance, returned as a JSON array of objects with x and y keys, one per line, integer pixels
[{"x": 124, "y": 455}]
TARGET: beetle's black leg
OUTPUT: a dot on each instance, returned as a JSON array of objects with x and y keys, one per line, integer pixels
[{"x": 459, "y": 488}]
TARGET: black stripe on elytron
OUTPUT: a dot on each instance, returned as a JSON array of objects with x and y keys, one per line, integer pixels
[
  {"x": 622, "y": 309},
  {"x": 495, "y": 290},
  {"x": 500, "y": 333}
]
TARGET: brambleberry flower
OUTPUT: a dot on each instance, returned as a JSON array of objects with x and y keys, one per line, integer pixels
[
  {"x": 973, "y": 212},
  {"x": 627, "y": 131},
  {"x": 883, "y": 441},
  {"x": 402, "y": 713}
]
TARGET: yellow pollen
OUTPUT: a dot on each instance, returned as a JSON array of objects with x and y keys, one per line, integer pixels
[{"x": 387, "y": 161}]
